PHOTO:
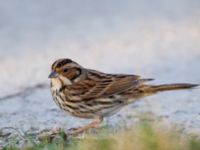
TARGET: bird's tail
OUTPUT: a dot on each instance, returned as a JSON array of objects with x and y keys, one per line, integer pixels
[
  {"x": 145, "y": 89},
  {"x": 169, "y": 87}
]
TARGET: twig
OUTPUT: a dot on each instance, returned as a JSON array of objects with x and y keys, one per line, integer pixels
[{"x": 12, "y": 128}]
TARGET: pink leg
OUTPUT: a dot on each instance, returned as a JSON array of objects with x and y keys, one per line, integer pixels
[{"x": 94, "y": 124}]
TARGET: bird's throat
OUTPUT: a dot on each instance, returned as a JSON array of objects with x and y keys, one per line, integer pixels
[{"x": 56, "y": 84}]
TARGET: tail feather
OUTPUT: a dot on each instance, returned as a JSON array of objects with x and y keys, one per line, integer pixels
[{"x": 168, "y": 87}]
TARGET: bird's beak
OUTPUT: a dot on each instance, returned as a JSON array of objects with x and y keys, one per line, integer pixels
[{"x": 53, "y": 74}]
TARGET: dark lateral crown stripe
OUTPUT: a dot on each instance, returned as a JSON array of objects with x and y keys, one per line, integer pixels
[{"x": 64, "y": 62}]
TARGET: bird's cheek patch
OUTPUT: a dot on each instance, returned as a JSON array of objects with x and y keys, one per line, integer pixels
[{"x": 71, "y": 74}]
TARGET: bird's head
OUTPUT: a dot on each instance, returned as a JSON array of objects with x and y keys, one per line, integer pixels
[{"x": 66, "y": 70}]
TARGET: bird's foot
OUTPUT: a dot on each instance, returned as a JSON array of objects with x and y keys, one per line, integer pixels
[
  {"x": 79, "y": 130},
  {"x": 75, "y": 131}
]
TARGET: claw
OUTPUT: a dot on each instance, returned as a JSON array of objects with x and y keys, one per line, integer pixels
[
  {"x": 79, "y": 130},
  {"x": 75, "y": 131}
]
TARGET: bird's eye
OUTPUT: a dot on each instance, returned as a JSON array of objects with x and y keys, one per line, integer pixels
[{"x": 65, "y": 70}]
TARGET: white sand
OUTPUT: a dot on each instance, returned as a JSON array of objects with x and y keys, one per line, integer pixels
[{"x": 152, "y": 38}]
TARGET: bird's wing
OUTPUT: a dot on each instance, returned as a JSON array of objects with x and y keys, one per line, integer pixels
[
  {"x": 119, "y": 84},
  {"x": 100, "y": 85}
]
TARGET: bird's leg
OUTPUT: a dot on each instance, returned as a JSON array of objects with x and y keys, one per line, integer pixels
[{"x": 93, "y": 124}]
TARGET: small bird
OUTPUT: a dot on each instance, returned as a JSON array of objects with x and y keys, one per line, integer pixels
[{"x": 92, "y": 94}]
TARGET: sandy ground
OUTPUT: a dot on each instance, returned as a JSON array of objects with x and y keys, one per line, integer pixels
[{"x": 154, "y": 39}]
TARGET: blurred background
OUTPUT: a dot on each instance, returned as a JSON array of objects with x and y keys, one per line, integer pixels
[{"x": 157, "y": 39}]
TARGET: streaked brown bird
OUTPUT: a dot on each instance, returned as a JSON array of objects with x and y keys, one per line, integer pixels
[{"x": 88, "y": 93}]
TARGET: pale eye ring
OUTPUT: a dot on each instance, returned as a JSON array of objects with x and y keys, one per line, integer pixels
[{"x": 65, "y": 70}]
